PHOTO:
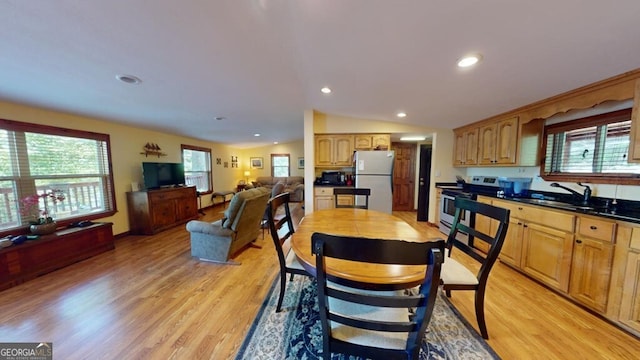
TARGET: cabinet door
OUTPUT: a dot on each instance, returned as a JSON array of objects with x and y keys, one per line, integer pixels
[
  {"x": 634, "y": 140},
  {"x": 343, "y": 150},
  {"x": 506, "y": 138},
  {"x": 163, "y": 213},
  {"x": 487, "y": 144},
  {"x": 511, "y": 252},
  {"x": 186, "y": 208},
  {"x": 471, "y": 147},
  {"x": 591, "y": 272},
  {"x": 458, "y": 148},
  {"x": 362, "y": 142},
  {"x": 324, "y": 202},
  {"x": 485, "y": 225},
  {"x": 381, "y": 142},
  {"x": 324, "y": 150},
  {"x": 547, "y": 255},
  {"x": 630, "y": 304}
]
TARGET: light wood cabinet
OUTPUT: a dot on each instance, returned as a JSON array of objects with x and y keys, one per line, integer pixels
[
  {"x": 485, "y": 225},
  {"x": 634, "y": 141},
  {"x": 592, "y": 261},
  {"x": 323, "y": 198},
  {"x": 497, "y": 142},
  {"x": 539, "y": 242},
  {"x": 466, "y": 147},
  {"x": 333, "y": 150},
  {"x": 438, "y": 204},
  {"x": 624, "y": 293},
  {"x": 371, "y": 141},
  {"x": 156, "y": 210}
]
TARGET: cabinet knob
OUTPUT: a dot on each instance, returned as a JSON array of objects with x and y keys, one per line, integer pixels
[
  {"x": 593, "y": 227},
  {"x": 519, "y": 208},
  {"x": 525, "y": 225},
  {"x": 519, "y": 223},
  {"x": 578, "y": 241}
]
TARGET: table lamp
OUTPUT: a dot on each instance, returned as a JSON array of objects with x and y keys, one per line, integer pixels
[{"x": 246, "y": 175}]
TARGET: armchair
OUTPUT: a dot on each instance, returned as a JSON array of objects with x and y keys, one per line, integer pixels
[{"x": 220, "y": 240}]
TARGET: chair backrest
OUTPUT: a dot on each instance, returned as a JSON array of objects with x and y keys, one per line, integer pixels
[
  {"x": 355, "y": 192},
  {"x": 281, "y": 228},
  {"x": 384, "y": 252},
  {"x": 495, "y": 240}
]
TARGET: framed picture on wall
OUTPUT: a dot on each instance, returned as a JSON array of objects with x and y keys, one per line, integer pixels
[
  {"x": 256, "y": 163},
  {"x": 300, "y": 163}
]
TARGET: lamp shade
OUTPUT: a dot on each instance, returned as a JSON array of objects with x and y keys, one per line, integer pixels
[{"x": 247, "y": 173}]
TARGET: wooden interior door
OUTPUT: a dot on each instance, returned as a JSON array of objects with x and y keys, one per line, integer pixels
[{"x": 404, "y": 174}]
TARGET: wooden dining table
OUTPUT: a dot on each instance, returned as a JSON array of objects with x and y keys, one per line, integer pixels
[{"x": 359, "y": 223}]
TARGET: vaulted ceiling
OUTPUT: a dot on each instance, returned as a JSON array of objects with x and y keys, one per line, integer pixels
[{"x": 258, "y": 64}]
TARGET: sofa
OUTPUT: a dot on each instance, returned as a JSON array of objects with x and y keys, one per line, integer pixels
[
  {"x": 240, "y": 226},
  {"x": 294, "y": 185}
]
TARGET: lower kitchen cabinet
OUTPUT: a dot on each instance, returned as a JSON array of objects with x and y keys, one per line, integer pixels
[
  {"x": 511, "y": 252},
  {"x": 546, "y": 255},
  {"x": 624, "y": 294},
  {"x": 592, "y": 262}
]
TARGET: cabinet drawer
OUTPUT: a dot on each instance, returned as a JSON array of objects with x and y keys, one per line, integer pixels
[
  {"x": 323, "y": 191},
  {"x": 535, "y": 214},
  {"x": 164, "y": 196},
  {"x": 596, "y": 228}
]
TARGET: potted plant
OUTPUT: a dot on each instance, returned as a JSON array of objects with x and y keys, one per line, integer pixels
[{"x": 42, "y": 221}]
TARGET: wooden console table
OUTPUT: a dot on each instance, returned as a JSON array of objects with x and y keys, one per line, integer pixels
[
  {"x": 19, "y": 263},
  {"x": 152, "y": 211}
]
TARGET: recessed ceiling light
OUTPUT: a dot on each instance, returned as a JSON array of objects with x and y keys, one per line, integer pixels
[
  {"x": 401, "y": 114},
  {"x": 219, "y": 118},
  {"x": 275, "y": 143},
  {"x": 469, "y": 60},
  {"x": 326, "y": 90},
  {"x": 256, "y": 134},
  {"x": 412, "y": 138},
  {"x": 129, "y": 79}
]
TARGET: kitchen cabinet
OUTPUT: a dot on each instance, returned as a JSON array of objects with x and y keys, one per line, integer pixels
[
  {"x": 634, "y": 140},
  {"x": 592, "y": 261},
  {"x": 484, "y": 225},
  {"x": 497, "y": 142},
  {"x": 624, "y": 293},
  {"x": 156, "y": 210},
  {"x": 465, "y": 150},
  {"x": 438, "y": 204},
  {"x": 544, "y": 240},
  {"x": 323, "y": 198},
  {"x": 333, "y": 150},
  {"x": 371, "y": 141}
]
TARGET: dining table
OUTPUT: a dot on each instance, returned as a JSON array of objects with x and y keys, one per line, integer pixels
[{"x": 359, "y": 223}]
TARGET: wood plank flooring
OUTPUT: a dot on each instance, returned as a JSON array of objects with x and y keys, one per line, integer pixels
[{"x": 148, "y": 299}]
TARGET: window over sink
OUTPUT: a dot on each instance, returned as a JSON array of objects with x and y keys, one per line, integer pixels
[{"x": 590, "y": 149}]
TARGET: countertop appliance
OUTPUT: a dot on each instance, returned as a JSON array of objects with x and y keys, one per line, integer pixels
[
  {"x": 331, "y": 178},
  {"x": 374, "y": 170}
]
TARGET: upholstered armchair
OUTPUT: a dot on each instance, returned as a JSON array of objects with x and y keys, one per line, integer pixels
[{"x": 222, "y": 239}]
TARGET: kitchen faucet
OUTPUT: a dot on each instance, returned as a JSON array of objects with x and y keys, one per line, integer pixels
[{"x": 585, "y": 197}]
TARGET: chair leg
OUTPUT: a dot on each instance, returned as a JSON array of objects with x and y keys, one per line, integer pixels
[
  {"x": 480, "y": 313},
  {"x": 448, "y": 293},
  {"x": 291, "y": 277},
  {"x": 283, "y": 284}
]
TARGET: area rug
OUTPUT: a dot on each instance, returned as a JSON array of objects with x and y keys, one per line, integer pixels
[{"x": 295, "y": 332}]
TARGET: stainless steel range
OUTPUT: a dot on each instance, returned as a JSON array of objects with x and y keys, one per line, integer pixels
[{"x": 478, "y": 185}]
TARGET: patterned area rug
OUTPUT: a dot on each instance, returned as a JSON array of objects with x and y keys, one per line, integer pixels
[{"x": 295, "y": 332}]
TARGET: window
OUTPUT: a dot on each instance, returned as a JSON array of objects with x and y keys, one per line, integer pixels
[
  {"x": 37, "y": 159},
  {"x": 590, "y": 149},
  {"x": 197, "y": 167},
  {"x": 279, "y": 165}
]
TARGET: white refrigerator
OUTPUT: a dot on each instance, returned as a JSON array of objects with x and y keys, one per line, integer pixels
[{"x": 374, "y": 170}]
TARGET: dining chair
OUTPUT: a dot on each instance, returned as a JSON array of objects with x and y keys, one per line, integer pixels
[
  {"x": 372, "y": 324},
  {"x": 281, "y": 229},
  {"x": 355, "y": 192},
  {"x": 456, "y": 276}
]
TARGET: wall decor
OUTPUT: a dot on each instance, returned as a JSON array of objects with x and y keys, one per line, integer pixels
[
  {"x": 234, "y": 161},
  {"x": 226, "y": 164},
  {"x": 218, "y": 161},
  {"x": 256, "y": 163},
  {"x": 152, "y": 149},
  {"x": 300, "y": 163}
]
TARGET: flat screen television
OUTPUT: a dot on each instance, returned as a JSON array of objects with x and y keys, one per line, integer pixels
[{"x": 158, "y": 175}]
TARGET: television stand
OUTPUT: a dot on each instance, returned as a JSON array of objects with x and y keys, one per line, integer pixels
[{"x": 152, "y": 211}]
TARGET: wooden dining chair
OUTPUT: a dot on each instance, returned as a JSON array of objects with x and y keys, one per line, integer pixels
[
  {"x": 378, "y": 325},
  {"x": 281, "y": 229},
  {"x": 456, "y": 276},
  {"x": 355, "y": 192}
]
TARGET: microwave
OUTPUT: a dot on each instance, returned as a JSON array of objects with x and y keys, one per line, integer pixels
[{"x": 332, "y": 177}]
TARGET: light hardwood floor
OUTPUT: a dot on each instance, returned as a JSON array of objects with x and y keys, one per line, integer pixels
[{"x": 148, "y": 299}]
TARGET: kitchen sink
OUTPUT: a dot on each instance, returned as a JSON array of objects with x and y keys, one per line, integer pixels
[{"x": 556, "y": 204}]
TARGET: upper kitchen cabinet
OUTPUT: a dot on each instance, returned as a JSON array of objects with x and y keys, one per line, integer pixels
[
  {"x": 634, "y": 141},
  {"x": 372, "y": 141},
  {"x": 497, "y": 142},
  {"x": 334, "y": 150},
  {"x": 465, "y": 147}
]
